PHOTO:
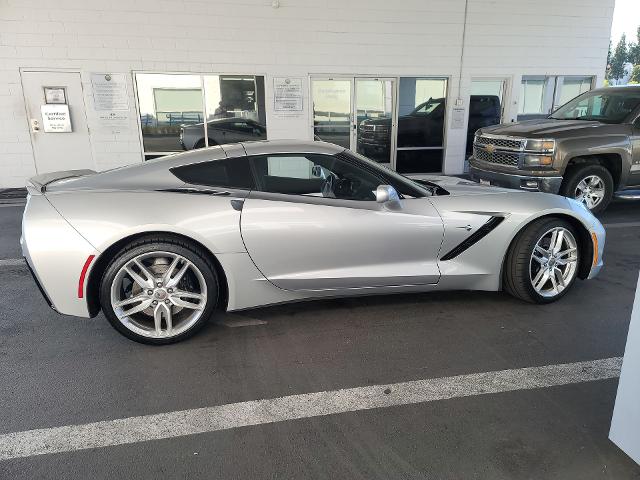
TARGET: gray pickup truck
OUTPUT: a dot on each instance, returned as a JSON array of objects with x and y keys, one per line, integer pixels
[{"x": 588, "y": 149}]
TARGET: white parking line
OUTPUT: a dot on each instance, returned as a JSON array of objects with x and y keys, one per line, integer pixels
[
  {"x": 621, "y": 225},
  {"x": 257, "y": 412},
  {"x": 11, "y": 262}
]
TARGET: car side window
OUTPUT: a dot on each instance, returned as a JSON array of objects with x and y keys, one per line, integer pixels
[
  {"x": 314, "y": 175},
  {"x": 229, "y": 173}
]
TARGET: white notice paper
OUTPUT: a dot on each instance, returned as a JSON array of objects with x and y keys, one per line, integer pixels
[
  {"x": 110, "y": 91},
  {"x": 55, "y": 118},
  {"x": 457, "y": 120},
  {"x": 287, "y": 95}
]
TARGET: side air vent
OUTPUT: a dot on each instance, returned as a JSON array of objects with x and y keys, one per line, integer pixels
[{"x": 475, "y": 237}]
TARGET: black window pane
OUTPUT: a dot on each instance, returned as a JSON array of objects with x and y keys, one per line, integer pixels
[
  {"x": 232, "y": 173},
  {"x": 419, "y": 161},
  {"x": 421, "y": 120}
]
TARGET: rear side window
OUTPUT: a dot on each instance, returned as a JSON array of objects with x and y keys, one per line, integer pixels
[{"x": 229, "y": 173}]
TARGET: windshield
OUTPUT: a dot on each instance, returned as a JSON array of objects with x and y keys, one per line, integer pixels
[
  {"x": 611, "y": 106},
  {"x": 428, "y": 106}
]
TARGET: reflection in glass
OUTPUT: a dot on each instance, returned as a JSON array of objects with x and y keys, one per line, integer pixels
[
  {"x": 531, "y": 96},
  {"x": 374, "y": 109},
  {"x": 167, "y": 102},
  {"x": 421, "y": 116},
  {"x": 172, "y": 117},
  {"x": 234, "y": 106},
  {"x": 332, "y": 111},
  {"x": 485, "y": 107},
  {"x": 572, "y": 87}
]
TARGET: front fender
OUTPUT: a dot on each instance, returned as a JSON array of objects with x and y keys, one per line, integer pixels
[{"x": 619, "y": 145}]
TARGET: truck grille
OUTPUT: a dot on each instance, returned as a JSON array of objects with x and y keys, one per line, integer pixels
[
  {"x": 505, "y": 143},
  {"x": 499, "y": 157}
]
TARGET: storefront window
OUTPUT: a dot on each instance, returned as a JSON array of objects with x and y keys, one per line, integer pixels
[
  {"x": 532, "y": 92},
  {"x": 173, "y": 108},
  {"x": 421, "y": 120},
  {"x": 572, "y": 87}
]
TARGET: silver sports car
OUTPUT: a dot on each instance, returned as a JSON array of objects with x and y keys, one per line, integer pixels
[{"x": 158, "y": 246}]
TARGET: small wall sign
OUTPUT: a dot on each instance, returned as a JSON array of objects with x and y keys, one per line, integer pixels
[
  {"x": 110, "y": 91},
  {"x": 55, "y": 95},
  {"x": 287, "y": 96},
  {"x": 55, "y": 118}
]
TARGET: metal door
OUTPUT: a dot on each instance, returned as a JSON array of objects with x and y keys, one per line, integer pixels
[{"x": 55, "y": 151}]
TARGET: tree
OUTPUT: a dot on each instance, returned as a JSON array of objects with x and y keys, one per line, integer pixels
[
  {"x": 635, "y": 74},
  {"x": 618, "y": 59},
  {"x": 634, "y": 50}
]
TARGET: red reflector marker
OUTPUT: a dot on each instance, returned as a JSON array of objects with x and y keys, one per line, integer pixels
[{"x": 83, "y": 274}]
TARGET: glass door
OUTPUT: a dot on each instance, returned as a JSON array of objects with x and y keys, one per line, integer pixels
[
  {"x": 486, "y": 106},
  {"x": 332, "y": 110},
  {"x": 373, "y": 126}
]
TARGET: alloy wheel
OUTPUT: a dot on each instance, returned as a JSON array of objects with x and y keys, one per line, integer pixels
[
  {"x": 590, "y": 191},
  {"x": 158, "y": 294},
  {"x": 554, "y": 262}
]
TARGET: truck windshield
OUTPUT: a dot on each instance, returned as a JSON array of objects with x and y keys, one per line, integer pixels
[{"x": 612, "y": 106}]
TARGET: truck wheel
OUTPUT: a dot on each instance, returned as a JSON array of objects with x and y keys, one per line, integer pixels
[{"x": 589, "y": 184}]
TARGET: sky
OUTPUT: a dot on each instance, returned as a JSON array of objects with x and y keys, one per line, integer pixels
[{"x": 626, "y": 18}]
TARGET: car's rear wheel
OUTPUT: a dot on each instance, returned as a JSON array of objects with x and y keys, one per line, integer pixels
[
  {"x": 159, "y": 291},
  {"x": 542, "y": 262},
  {"x": 590, "y": 184}
]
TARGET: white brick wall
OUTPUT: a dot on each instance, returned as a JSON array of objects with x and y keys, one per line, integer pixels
[{"x": 505, "y": 38}]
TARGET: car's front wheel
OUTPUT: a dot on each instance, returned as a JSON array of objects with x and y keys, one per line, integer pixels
[
  {"x": 159, "y": 291},
  {"x": 542, "y": 262}
]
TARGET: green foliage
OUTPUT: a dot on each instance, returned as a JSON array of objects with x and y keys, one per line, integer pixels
[
  {"x": 635, "y": 74},
  {"x": 618, "y": 59},
  {"x": 633, "y": 55}
]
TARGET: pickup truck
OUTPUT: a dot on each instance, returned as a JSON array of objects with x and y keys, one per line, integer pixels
[{"x": 588, "y": 149}]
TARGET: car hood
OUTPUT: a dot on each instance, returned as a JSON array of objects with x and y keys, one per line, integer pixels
[
  {"x": 460, "y": 186},
  {"x": 547, "y": 127}
]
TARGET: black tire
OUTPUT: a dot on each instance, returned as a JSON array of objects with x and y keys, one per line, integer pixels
[
  {"x": 517, "y": 279},
  {"x": 157, "y": 243},
  {"x": 577, "y": 173}
]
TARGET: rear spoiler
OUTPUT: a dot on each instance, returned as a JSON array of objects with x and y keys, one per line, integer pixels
[{"x": 40, "y": 182}]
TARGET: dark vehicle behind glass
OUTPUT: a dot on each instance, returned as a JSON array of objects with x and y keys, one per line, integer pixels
[{"x": 423, "y": 127}]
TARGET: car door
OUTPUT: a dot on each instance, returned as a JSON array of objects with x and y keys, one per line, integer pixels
[{"x": 313, "y": 223}]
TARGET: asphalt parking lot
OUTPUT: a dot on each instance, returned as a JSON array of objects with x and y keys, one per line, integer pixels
[{"x": 58, "y": 371}]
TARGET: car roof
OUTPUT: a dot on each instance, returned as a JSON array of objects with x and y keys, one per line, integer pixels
[
  {"x": 290, "y": 146},
  {"x": 618, "y": 88}
]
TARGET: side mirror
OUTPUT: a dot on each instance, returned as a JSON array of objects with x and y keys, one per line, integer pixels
[{"x": 386, "y": 193}]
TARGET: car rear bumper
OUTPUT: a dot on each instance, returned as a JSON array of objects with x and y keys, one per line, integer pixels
[
  {"x": 57, "y": 255},
  {"x": 520, "y": 182}
]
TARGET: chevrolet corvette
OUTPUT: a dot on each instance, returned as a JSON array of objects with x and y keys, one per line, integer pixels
[{"x": 159, "y": 246}]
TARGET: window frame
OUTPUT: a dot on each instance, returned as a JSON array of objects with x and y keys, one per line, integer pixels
[
  {"x": 258, "y": 184},
  {"x": 401, "y": 185}
]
